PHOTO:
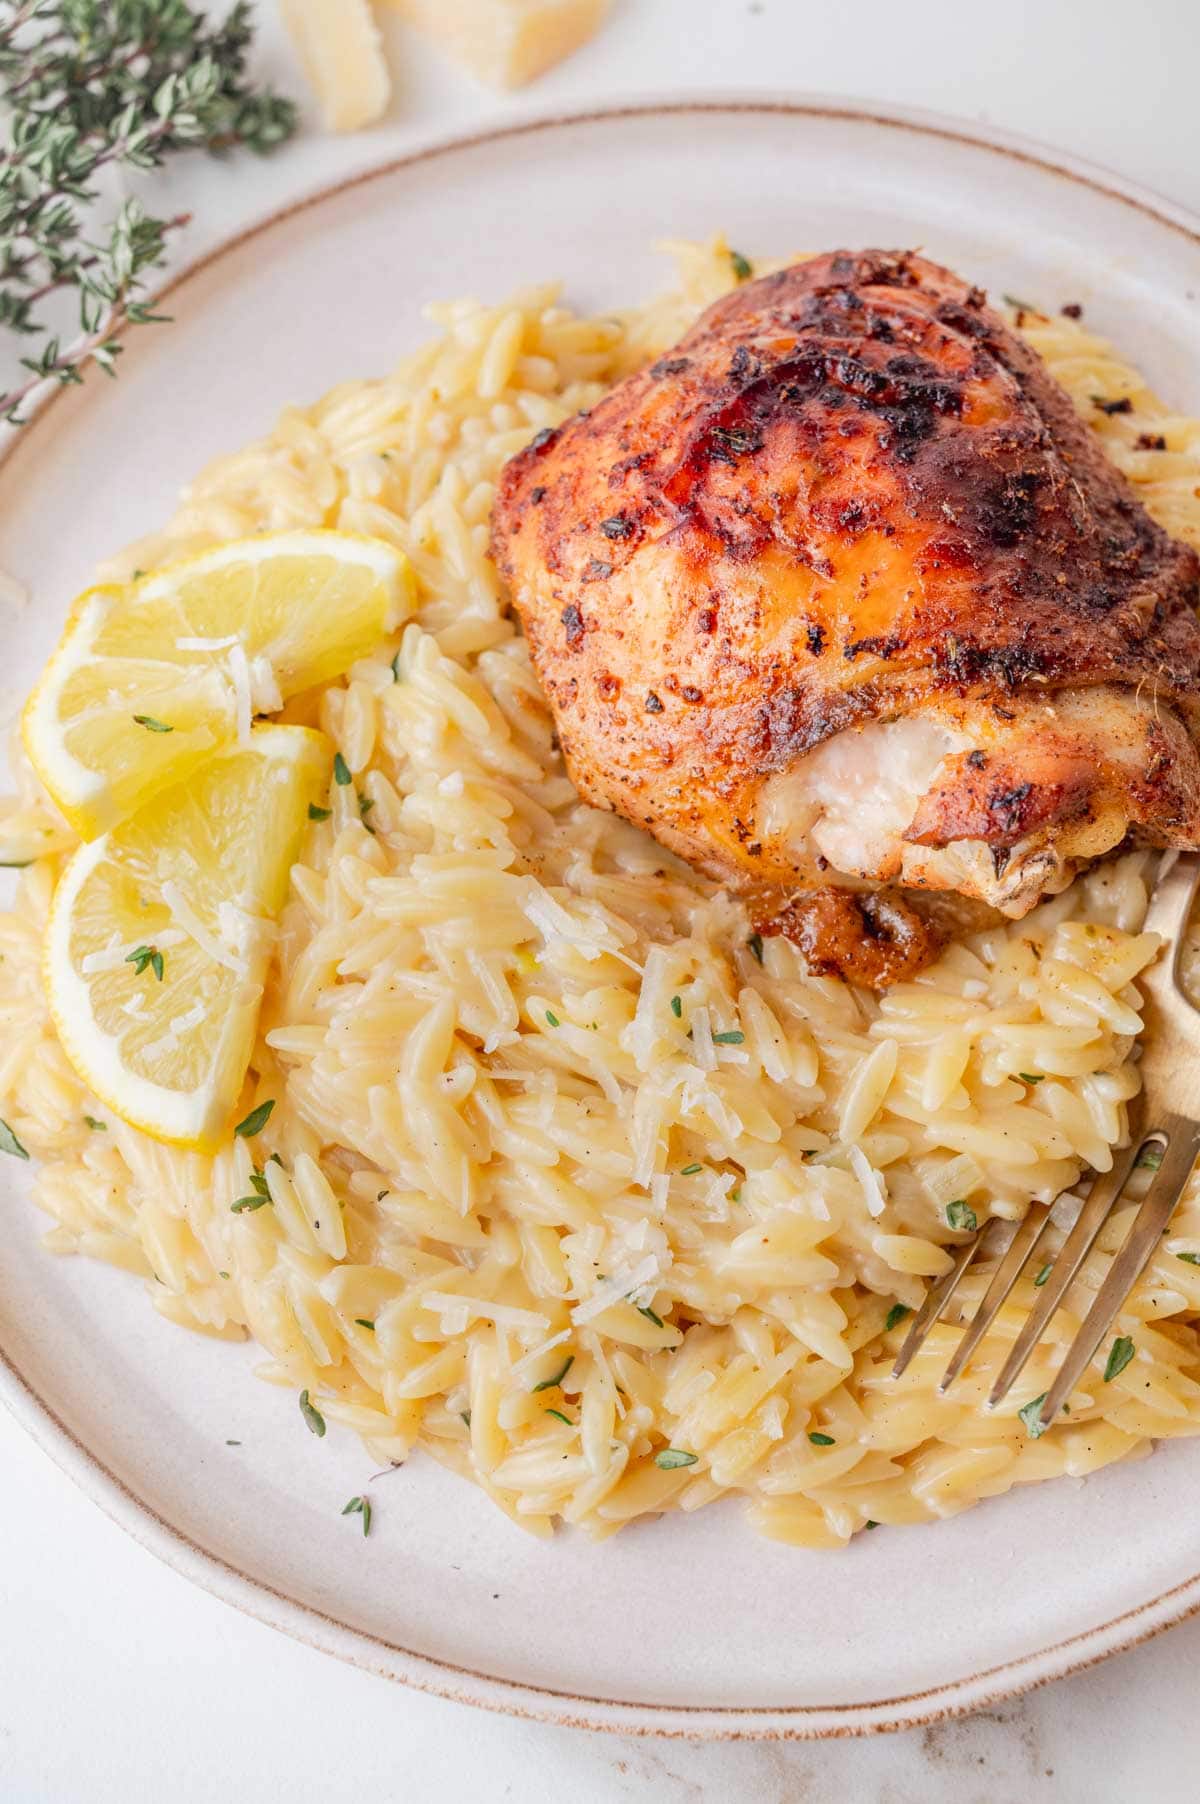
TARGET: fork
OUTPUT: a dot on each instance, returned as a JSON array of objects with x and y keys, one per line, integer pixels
[{"x": 1165, "y": 1115}]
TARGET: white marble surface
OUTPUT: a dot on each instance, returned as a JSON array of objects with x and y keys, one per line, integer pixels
[{"x": 118, "y": 1681}]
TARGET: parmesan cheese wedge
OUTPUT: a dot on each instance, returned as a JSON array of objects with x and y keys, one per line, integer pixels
[
  {"x": 338, "y": 44},
  {"x": 506, "y": 43}
]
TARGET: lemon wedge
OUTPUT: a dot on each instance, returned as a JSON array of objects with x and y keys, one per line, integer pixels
[
  {"x": 161, "y": 931},
  {"x": 149, "y": 679}
]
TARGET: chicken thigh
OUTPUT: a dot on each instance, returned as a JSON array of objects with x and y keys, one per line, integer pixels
[{"x": 842, "y": 591}]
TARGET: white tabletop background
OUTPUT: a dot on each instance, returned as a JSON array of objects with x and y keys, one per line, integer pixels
[{"x": 120, "y": 1682}]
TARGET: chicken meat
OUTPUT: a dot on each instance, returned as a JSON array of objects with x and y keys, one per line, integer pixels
[{"x": 842, "y": 595}]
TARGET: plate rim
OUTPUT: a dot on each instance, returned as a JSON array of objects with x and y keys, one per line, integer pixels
[{"x": 302, "y": 1621}]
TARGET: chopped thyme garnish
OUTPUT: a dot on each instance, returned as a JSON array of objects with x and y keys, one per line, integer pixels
[
  {"x": 1031, "y": 1415},
  {"x": 233, "y": 1443},
  {"x": 671, "y": 1457},
  {"x": 1151, "y": 1157},
  {"x": 141, "y": 956},
  {"x": 755, "y": 944},
  {"x": 466, "y": 1416},
  {"x": 1043, "y": 1274},
  {"x": 396, "y": 677},
  {"x": 365, "y": 805},
  {"x": 548, "y": 1384},
  {"x": 97, "y": 1127},
  {"x": 561, "y": 1417},
  {"x": 1189, "y": 1258},
  {"x": 870, "y": 1523},
  {"x": 312, "y": 1414},
  {"x": 552, "y": 1018},
  {"x": 318, "y": 814},
  {"x": 255, "y": 1121},
  {"x": 151, "y": 725},
  {"x": 9, "y": 1142},
  {"x": 650, "y": 1314},
  {"x": 821, "y": 1440},
  {"x": 743, "y": 269},
  {"x": 360, "y": 1506},
  {"x": 960, "y": 1215},
  {"x": 363, "y": 1322},
  {"x": 689, "y": 1171},
  {"x": 341, "y": 770},
  {"x": 895, "y": 1314},
  {"x": 1030, "y": 1077},
  {"x": 677, "y": 1006},
  {"x": 245, "y": 1204},
  {"x": 734, "y": 1037},
  {"x": 1120, "y": 1354}
]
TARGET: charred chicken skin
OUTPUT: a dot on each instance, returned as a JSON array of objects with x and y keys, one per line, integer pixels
[{"x": 842, "y": 591}]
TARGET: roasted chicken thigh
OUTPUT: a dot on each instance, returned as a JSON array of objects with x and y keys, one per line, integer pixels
[{"x": 843, "y": 591}]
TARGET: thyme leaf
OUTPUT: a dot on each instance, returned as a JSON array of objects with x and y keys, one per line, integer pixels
[
  {"x": 360, "y": 1506},
  {"x": 9, "y": 1142},
  {"x": 312, "y": 1414},
  {"x": 671, "y": 1457},
  {"x": 255, "y": 1121}
]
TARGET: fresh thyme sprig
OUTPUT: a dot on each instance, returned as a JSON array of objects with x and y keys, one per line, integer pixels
[{"x": 96, "y": 85}]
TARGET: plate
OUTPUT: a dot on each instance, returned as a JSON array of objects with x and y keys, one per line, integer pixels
[{"x": 688, "y": 1625}]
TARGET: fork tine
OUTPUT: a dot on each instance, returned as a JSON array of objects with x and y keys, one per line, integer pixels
[
  {"x": 1155, "y": 1212},
  {"x": 1075, "y": 1249},
  {"x": 936, "y": 1298},
  {"x": 1017, "y": 1254}
]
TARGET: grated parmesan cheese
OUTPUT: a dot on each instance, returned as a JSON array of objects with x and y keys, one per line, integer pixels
[
  {"x": 239, "y": 671},
  {"x": 453, "y": 1307},
  {"x": 196, "y": 644},
  {"x": 621, "y": 1284},
  {"x": 702, "y": 1041},
  {"x": 529, "y": 1360},
  {"x": 266, "y": 697},
  {"x": 869, "y": 1181},
  {"x": 182, "y": 911}
]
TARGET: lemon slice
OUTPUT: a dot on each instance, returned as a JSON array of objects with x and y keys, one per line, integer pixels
[
  {"x": 148, "y": 680},
  {"x": 161, "y": 930}
]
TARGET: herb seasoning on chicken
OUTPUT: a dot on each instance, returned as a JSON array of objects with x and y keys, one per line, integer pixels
[{"x": 843, "y": 592}]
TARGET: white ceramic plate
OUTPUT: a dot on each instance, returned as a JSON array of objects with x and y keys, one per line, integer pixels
[{"x": 688, "y": 1625}]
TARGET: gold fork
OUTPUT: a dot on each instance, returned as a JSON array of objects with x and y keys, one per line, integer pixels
[{"x": 1165, "y": 1115}]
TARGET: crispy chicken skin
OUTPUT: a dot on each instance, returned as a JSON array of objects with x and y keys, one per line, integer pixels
[{"x": 842, "y": 589}]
